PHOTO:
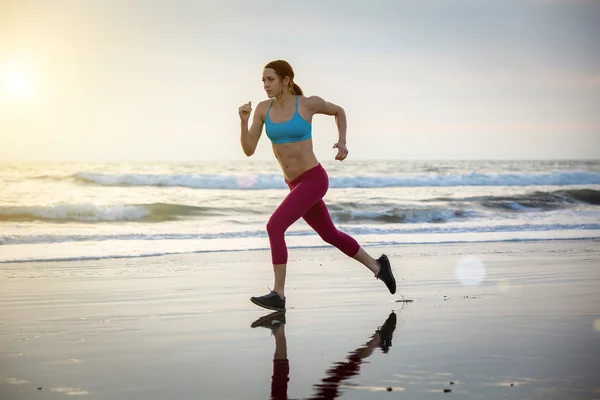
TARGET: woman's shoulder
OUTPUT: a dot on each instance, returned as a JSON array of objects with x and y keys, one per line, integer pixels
[
  {"x": 265, "y": 103},
  {"x": 263, "y": 106},
  {"x": 311, "y": 102}
]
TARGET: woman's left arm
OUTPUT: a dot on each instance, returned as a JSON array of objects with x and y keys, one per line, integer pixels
[{"x": 319, "y": 106}]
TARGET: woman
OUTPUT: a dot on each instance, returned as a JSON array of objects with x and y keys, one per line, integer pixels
[{"x": 287, "y": 117}]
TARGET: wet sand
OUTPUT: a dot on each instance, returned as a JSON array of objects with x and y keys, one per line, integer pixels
[{"x": 486, "y": 321}]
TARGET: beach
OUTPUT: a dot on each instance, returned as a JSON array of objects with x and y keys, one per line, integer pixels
[
  {"x": 473, "y": 321},
  {"x": 140, "y": 216}
]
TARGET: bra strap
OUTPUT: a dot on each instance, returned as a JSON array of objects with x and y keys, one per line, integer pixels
[{"x": 269, "y": 110}]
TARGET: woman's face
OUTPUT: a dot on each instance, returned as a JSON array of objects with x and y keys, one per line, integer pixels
[{"x": 272, "y": 83}]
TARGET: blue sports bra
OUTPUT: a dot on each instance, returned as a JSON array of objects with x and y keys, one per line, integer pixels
[{"x": 294, "y": 130}]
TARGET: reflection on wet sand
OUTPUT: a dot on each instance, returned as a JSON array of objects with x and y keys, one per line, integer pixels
[{"x": 329, "y": 387}]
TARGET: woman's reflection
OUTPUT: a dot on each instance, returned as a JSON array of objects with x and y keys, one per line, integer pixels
[{"x": 328, "y": 388}]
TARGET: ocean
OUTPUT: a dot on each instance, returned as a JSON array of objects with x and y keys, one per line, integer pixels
[{"x": 75, "y": 211}]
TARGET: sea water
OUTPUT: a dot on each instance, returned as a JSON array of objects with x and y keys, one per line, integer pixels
[{"x": 71, "y": 211}]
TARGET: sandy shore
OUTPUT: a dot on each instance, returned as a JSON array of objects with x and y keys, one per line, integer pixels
[{"x": 486, "y": 321}]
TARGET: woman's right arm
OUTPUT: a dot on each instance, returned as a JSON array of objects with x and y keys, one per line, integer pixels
[{"x": 249, "y": 137}]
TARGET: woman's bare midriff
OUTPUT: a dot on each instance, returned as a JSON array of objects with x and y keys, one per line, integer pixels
[{"x": 295, "y": 158}]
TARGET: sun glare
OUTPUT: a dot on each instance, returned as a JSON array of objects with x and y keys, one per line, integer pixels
[{"x": 18, "y": 83}]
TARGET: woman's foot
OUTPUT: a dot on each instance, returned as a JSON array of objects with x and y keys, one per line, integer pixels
[
  {"x": 386, "y": 332},
  {"x": 271, "y": 301},
  {"x": 385, "y": 273}
]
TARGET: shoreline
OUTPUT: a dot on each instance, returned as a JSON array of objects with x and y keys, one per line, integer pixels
[{"x": 128, "y": 252}]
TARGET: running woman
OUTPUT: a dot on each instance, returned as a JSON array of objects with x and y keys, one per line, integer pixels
[{"x": 287, "y": 118}]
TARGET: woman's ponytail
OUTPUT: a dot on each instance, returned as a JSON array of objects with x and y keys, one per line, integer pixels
[{"x": 296, "y": 90}]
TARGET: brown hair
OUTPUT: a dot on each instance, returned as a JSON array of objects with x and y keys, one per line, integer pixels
[{"x": 282, "y": 69}]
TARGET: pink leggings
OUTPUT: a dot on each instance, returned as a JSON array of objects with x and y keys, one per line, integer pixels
[{"x": 305, "y": 200}]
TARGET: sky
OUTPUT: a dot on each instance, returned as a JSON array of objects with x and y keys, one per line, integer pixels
[{"x": 136, "y": 80}]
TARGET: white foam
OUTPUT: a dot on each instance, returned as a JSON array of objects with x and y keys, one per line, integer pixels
[
  {"x": 116, "y": 249},
  {"x": 272, "y": 181},
  {"x": 190, "y": 181},
  {"x": 301, "y": 230}
]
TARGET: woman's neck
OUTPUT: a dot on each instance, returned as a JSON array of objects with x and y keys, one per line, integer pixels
[{"x": 285, "y": 98}]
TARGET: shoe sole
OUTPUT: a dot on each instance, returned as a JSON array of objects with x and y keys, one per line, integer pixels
[
  {"x": 389, "y": 266},
  {"x": 267, "y": 306}
]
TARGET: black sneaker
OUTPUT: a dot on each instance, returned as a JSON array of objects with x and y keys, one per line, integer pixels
[
  {"x": 386, "y": 274},
  {"x": 271, "y": 301},
  {"x": 271, "y": 321},
  {"x": 386, "y": 332}
]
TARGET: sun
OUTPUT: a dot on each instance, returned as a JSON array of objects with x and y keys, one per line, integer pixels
[{"x": 18, "y": 82}]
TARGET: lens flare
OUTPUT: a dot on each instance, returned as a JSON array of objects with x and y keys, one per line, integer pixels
[
  {"x": 469, "y": 271},
  {"x": 597, "y": 325},
  {"x": 247, "y": 181}
]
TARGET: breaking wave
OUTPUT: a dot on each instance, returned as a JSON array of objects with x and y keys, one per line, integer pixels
[
  {"x": 156, "y": 212},
  {"x": 444, "y": 209},
  {"x": 273, "y": 181}
]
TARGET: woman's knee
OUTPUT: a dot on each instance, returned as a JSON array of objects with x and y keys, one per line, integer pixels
[
  {"x": 331, "y": 237},
  {"x": 342, "y": 241},
  {"x": 275, "y": 227}
]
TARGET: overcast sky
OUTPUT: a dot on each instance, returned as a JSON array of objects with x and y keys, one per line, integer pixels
[{"x": 124, "y": 80}]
